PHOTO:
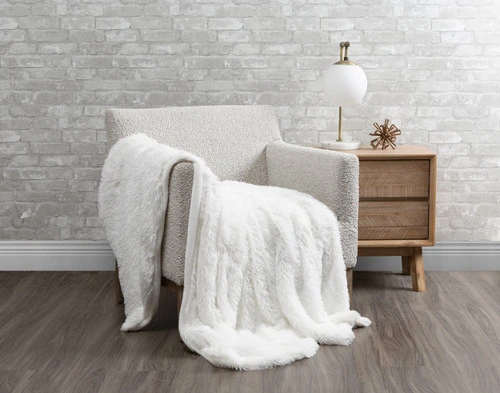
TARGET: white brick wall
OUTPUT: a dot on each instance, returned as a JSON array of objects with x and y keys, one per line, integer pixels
[{"x": 433, "y": 68}]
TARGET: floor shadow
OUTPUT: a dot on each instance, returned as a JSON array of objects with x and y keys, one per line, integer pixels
[
  {"x": 382, "y": 280},
  {"x": 166, "y": 316}
]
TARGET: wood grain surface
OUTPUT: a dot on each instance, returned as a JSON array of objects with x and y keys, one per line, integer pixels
[
  {"x": 60, "y": 332},
  {"x": 399, "y": 166},
  {"x": 394, "y": 179},
  {"x": 390, "y": 233},
  {"x": 393, "y": 220}
]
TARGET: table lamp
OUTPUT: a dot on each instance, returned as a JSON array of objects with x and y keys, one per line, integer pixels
[{"x": 345, "y": 84}]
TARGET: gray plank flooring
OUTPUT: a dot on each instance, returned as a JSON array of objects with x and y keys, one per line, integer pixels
[{"x": 59, "y": 332}]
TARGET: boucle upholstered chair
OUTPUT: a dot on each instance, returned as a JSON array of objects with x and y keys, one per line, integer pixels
[{"x": 240, "y": 143}]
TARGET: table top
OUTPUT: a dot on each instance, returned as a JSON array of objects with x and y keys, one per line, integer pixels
[{"x": 404, "y": 151}]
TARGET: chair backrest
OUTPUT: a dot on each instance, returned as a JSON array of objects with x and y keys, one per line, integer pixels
[{"x": 231, "y": 139}]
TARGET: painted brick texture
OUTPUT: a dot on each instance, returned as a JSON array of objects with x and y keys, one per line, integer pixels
[{"x": 433, "y": 68}]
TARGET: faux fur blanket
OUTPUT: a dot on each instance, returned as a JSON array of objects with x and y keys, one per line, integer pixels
[{"x": 264, "y": 279}]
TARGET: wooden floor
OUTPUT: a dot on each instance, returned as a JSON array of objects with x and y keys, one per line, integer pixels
[{"x": 59, "y": 332}]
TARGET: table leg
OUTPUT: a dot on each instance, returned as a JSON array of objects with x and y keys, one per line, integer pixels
[
  {"x": 417, "y": 270},
  {"x": 349, "y": 283},
  {"x": 405, "y": 262}
]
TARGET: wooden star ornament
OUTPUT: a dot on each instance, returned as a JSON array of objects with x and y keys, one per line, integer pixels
[{"x": 385, "y": 135}]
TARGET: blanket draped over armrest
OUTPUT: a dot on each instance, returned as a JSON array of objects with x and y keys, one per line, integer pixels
[{"x": 264, "y": 278}]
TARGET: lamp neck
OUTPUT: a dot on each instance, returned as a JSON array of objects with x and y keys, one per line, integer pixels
[
  {"x": 339, "y": 139},
  {"x": 344, "y": 47}
]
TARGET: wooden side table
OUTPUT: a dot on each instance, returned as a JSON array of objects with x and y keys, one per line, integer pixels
[{"x": 397, "y": 205}]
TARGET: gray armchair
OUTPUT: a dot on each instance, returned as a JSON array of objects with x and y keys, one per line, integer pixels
[{"x": 240, "y": 143}]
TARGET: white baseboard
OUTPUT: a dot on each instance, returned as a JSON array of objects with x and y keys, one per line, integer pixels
[
  {"x": 443, "y": 257},
  {"x": 98, "y": 256},
  {"x": 56, "y": 255}
]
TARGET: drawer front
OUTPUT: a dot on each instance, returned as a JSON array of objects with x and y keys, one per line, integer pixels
[
  {"x": 393, "y": 220},
  {"x": 394, "y": 179}
]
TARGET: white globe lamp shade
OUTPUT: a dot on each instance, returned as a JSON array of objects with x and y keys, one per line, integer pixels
[{"x": 345, "y": 84}]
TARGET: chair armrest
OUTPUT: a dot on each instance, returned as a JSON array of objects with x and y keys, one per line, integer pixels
[
  {"x": 331, "y": 177},
  {"x": 176, "y": 221}
]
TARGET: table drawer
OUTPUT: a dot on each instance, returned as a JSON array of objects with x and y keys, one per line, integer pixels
[
  {"x": 394, "y": 179},
  {"x": 386, "y": 220}
]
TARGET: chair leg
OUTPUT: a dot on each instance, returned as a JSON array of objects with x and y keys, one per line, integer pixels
[
  {"x": 179, "y": 291},
  {"x": 349, "y": 274},
  {"x": 118, "y": 288}
]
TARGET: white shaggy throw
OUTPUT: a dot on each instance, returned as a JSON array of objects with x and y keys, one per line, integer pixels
[{"x": 264, "y": 279}]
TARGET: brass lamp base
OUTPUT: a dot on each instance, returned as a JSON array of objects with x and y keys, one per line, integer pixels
[{"x": 354, "y": 145}]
